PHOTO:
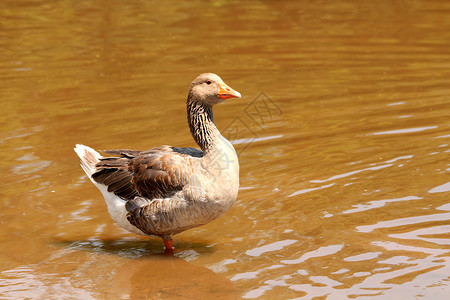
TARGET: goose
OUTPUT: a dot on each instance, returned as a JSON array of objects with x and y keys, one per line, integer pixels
[{"x": 166, "y": 190}]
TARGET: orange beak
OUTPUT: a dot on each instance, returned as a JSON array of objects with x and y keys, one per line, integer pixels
[{"x": 225, "y": 92}]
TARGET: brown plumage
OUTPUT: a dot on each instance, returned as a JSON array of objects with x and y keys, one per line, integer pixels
[{"x": 166, "y": 190}]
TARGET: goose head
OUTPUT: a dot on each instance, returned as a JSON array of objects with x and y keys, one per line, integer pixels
[{"x": 208, "y": 88}]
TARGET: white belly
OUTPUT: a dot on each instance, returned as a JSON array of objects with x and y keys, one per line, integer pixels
[{"x": 116, "y": 209}]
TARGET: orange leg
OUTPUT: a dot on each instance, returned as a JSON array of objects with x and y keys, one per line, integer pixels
[{"x": 169, "y": 246}]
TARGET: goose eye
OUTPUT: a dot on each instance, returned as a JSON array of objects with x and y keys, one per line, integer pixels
[{"x": 208, "y": 82}]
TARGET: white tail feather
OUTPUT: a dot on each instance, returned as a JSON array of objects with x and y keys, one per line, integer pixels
[
  {"x": 116, "y": 205},
  {"x": 88, "y": 157}
]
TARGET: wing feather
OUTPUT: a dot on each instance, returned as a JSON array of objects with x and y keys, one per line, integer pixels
[{"x": 156, "y": 173}]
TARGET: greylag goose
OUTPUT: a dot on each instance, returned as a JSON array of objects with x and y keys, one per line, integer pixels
[{"x": 166, "y": 190}]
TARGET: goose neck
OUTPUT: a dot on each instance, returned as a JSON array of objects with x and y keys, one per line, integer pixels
[{"x": 201, "y": 124}]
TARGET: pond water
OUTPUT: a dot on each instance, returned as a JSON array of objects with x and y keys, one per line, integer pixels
[{"x": 343, "y": 135}]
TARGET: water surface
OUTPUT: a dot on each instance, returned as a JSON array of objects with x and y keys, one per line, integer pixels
[{"x": 343, "y": 137}]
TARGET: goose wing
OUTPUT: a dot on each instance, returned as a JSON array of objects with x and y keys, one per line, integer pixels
[{"x": 156, "y": 173}]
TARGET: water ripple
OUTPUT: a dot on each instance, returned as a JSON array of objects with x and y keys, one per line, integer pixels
[
  {"x": 378, "y": 204},
  {"x": 404, "y": 130},
  {"x": 441, "y": 189},
  {"x": 322, "y": 251},
  {"x": 404, "y": 221},
  {"x": 276, "y": 246}
]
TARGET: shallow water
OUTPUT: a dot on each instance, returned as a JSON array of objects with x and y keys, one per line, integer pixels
[{"x": 343, "y": 137}]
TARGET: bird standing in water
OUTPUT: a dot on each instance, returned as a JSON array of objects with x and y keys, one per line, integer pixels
[{"x": 166, "y": 190}]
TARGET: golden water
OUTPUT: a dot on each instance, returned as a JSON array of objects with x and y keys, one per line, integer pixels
[{"x": 343, "y": 136}]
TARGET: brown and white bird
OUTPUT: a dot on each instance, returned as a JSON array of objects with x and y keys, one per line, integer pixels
[{"x": 166, "y": 190}]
